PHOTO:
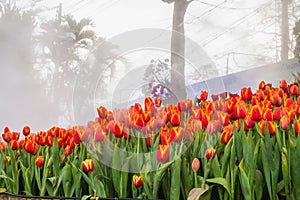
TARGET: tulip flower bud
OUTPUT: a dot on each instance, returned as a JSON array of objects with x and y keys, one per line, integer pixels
[
  {"x": 39, "y": 161},
  {"x": 196, "y": 164},
  {"x": 158, "y": 102},
  {"x": 26, "y": 130},
  {"x": 88, "y": 165},
  {"x": 209, "y": 153},
  {"x": 7, "y": 159},
  {"x": 284, "y": 122},
  {"x": 137, "y": 181}
]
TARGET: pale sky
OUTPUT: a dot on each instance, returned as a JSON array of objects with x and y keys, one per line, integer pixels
[{"x": 218, "y": 26}]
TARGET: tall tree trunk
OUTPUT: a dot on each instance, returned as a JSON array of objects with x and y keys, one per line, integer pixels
[{"x": 178, "y": 50}]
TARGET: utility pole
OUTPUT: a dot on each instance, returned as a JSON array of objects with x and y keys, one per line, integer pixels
[{"x": 285, "y": 39}]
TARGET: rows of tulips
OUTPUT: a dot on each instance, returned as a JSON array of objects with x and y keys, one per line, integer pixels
[{"x": 234, "y": 146}]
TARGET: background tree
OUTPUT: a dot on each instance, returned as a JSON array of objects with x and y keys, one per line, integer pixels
[{"x": 178, "y": 48}]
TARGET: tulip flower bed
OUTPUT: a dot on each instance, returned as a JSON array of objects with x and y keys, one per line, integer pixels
[{"x": 233, "y": 147}]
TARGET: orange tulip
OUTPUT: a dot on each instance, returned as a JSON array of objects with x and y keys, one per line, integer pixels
[
  {"x": 2, "y": 146},
  {"x": 39, "y": 161},
  {"x": 137, "y": 181},
  {"x": 88, "y": 165},
  {"x": 162, "y": 153},
  {"x": 196, "y": 164}
]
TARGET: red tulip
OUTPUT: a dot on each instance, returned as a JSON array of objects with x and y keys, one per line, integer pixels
[
  {"x": 31, "y": 147},
  {"x": 268, "y": 115},
  {"x": 146, "y": 116},
  {"x": 14, "y": 144},
  {"x": 118, "y": 131},
  {"x": 149, "y": 138},
  {"x": 209, "y": 153},
  {"x": 205, "y": 117},
  {"x": 262, "y": 85},
  {"x": 203, "y": 95},
  {"x": 185, "y": 105},
  {"x": 277, "y": 113},
  {"x": 98, "y": 135},
  {"x": 54, "y": 131},
  {"x": 213, "y": 126},
  {"x": 294, "y": 90},
  {"x": 215, "y": 97},
  {"x": 88, "y": 165},
  {"x": 246, "y": 94},
  {"x": 148, "y": 102},
  {"x": 137, "y": 181},
  {"x": 226, "y": 134},
  {"x": 271, "y": 126},
  {"x": 15, "y": 135},
  {"x": 26, "y": 130},
  {"x": 21, "y": 144},
  {"x": 275, "y": 99},
  {"x": 237, "y": 125},
  {"x": 283, "y": 84},
  {"x": 6, "y": 136},
  {"x": 2, "y": 146},
  {"x": 158, "y": 102},
  {"x": 284, "y": 122},
  {"x": 297, "y": 126},
  {"x": 241, "y": 110},
  {"x": 229, "y": 105},
  {"x": 165, "y": 136},
  {"x": 39, "y": 161},
  {"x": 176, "y": 134},
  {"x": 102, "y": 112},
  {"x": 175, "y": 118},
  {"x": 162, "y": 153},
  {"x": 67, "y": 150},
  {"x": 256, "y": 113},
  {"x": 6, "y": 130},
  {"x": 196, "y": 164}
]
